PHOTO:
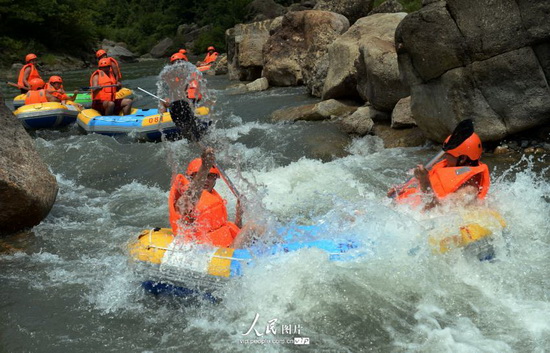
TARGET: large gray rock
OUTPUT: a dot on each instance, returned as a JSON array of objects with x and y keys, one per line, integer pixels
[
  {"x": 118, "y": 51},
  {"x": 160, "y": 50},
  {"x": 313, "y": 112},
  {"x": 27, "y": 188},
  {"x": 296, "y": 53},
  {"x": 352, "y": 9},
  {"x": 363, "y": 63},
  {"x": 359, "y": 123},
  {"x": 244, "y": 50},
  {"x": 401, "y": 116},
  {"x": 461, "y": 65},
  {"x": 388, "y": 6},
  {"x": 261, "y": 10}
]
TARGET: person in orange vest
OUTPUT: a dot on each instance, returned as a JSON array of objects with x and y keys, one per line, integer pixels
[
  {"x": 184, "y": 52},
  {"x": 27, "y": 73},
  {"x": 103, "y": 86},
  {"x": 102, "y": 54},
  {"x": 174, "y": 60},
  {"x": 210, "y": 57},
  {"x": 193, "y": 89},
  {"x": 55, "y": 89},
  {"x": 460, "y": 176},
  {"x": 37, "y": 93},
  {"x": 198, "y": 212}
]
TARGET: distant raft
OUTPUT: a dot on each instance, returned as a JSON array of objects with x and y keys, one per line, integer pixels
[
  {"x": 173, "y": 266},
  {"x": 47, "y": 115},
  {"x": 141, "y": 124},
  {"x": 84, "y": 99}
]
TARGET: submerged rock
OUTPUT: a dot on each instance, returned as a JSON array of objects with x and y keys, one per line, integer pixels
[{"x": 27, "y": 188}]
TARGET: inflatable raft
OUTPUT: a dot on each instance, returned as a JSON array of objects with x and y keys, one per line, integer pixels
[
  {"x": 177, "y": 267},
  {"x": 46, "y": 115},
  {"x": 85, "y": 99},
  {"x": 142, "y": 124}
]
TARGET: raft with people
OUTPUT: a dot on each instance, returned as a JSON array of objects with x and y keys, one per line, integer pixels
[
  {"x": 47, "y": 115},
  {"x": 84, "y": 98},
  {"x": 141, "y": 124}
]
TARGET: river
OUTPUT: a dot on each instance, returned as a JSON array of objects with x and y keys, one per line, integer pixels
[{"x": 67, "y": 285}]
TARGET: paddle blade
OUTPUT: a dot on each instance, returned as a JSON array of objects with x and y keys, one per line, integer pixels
[{"x": 462, "y": 131}]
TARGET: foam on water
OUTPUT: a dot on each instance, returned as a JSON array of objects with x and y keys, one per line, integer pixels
[{"x": 87, "y": 297}]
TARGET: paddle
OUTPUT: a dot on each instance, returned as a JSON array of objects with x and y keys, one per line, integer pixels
[
  {"x": 95, "y": 87},
  {"x": 462, "y": 131},
  {"x": 14, "y": 85},
  {"x": 196, "y": 134}
]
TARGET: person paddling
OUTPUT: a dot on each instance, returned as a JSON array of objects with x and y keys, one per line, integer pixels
[
  {"x": 37, "y": 93},
  {"x": 104, "y": 86},
  {"x": 460, "y": 176},
  {"x": 115, "y": 68},
  {"x": 198, "y": 212},
  {"x": 27, "y": 73},
  {"x": 177, "y": 77},
  {"x": 55, "y": 89},
  {"x": 211, "y": 56}
]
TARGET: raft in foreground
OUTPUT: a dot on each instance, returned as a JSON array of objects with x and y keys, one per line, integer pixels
[
  {"x": 46, "y": 115},
  {"x": 184, "y": 268},
  {"x": 142, "y": 124}
]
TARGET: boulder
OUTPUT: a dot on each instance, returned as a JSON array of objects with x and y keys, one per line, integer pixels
[
  {"x": 27, "y": 188},
  {"x": 392, "y": 138},
  {"x": 313, "y": 112},
  {"x": 160, "y": 49},
  {"x": 118, "y": 51},
  {"x": 460, "y": 65},
  {"x": 260, "y": 84},
  {"x": 261, "y": 10},
  {"x": 296, "y": 52},
  {"x": 351, "y": 9},
  {"x": 244, "y": 50},
  {"x": 363, "y": 63},
  {"x": 220, "y": 66},
  {"x": 359, "y": 123},
  {"x": 388, "y": 6},
  {"x": 401, "y": 117}
]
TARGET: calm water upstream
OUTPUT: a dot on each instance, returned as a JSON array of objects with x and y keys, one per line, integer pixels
[{"x": 71, "y": 288}]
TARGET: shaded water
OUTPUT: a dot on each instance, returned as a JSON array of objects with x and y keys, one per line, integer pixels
[{"x": 71, "y": 287}]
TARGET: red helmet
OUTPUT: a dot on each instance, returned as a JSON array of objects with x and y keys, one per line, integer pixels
[
  {"x": 104, "y": 63},
  {"x": 177, "y": 56},
  {"x": 195, "y": 165},
  {"x": 211, "y": 48},
  {"x": 471, "y": 147},
  {"x": 55, "y": 79},
  {"x": 183, "y": 51},
  {"x": 100, "y": 53},
  {"x": 29, "y": 57},
  {"x": 36, "y": 84}
]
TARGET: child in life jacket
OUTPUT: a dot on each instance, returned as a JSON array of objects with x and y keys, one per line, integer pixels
[
  {"x": 198, "y": 212},
  {"x": 460, "y": 176}
]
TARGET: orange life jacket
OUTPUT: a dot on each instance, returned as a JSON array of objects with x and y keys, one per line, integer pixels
[
  {"x": 33, "y": 74},
  {"x": 210, "y": 58},
  {"x": 36, "y": 97},
  {"x": 192, "y": 90},
  {"x": 107, "y": 93},
  {"x": 446, "y": 180},
  {"x": 59, "y": 94},
  {"x": 210, "y": 224}
]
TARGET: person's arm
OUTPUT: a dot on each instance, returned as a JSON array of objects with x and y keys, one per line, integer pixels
[
  {"x": 26, "y": 74},
  {"x": 95, "y": 83},
  {"x": 239, "y": 214},
  {"x": 423, "y": 177},
  {"x": 116, "y": 71},
  {"x": 189, "y": 199},
  {"x": 75, "y": 93}
]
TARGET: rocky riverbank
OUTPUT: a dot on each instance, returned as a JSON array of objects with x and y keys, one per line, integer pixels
[{"x": 430, "y": 68}]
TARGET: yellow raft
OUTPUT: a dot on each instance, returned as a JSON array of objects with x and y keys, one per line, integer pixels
[{"x": 47, "y": 115}]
